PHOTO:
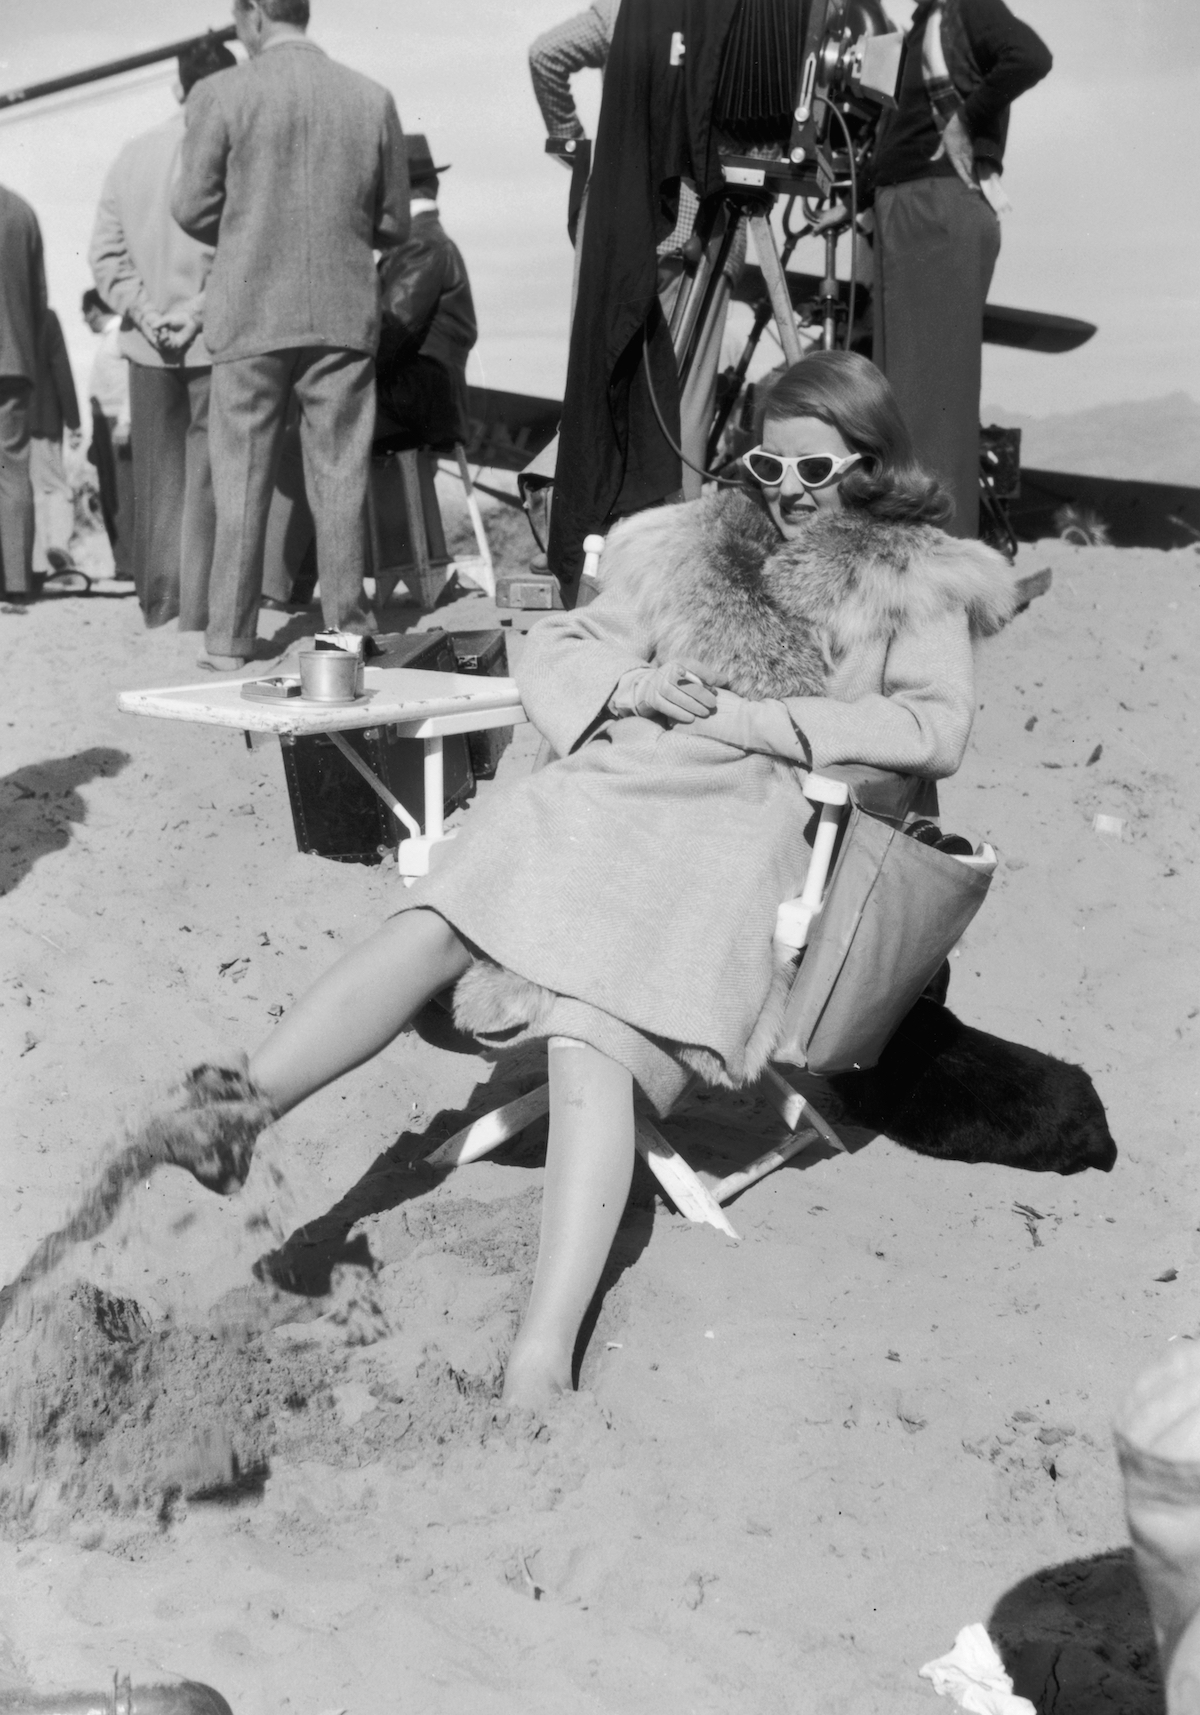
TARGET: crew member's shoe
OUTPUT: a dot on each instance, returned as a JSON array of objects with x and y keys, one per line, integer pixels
[
  {"x": 221, "y": 663},
  {"x": 23, "y": 598}
]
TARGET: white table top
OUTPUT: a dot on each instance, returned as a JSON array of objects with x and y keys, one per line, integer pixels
[{"x": 406, "y": 696}]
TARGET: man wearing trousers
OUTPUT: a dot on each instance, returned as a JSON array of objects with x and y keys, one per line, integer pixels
[
  {"x": 53, "y": 412},
  {"x": 22, "y": 327},
  {"x": 111, "y": 451},
  {"x": 294, "y": 167},
  {"x": 937, "y": 232},
  {"x": 154, "y": 274}
]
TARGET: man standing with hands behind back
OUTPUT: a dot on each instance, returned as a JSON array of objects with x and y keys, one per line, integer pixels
[
  {"x": 154, "y": 276},
  {"x": 295, "y": 167}
]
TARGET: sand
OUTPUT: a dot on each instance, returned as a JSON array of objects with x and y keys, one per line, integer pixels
[{"x": 257, "y": 1440}]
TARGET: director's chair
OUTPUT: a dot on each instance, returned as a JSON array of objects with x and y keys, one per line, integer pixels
[{"x": 876, "y": 918}]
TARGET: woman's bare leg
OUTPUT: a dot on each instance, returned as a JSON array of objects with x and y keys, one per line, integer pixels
[
  {"x": 360, "y": 1005},
  {"x": 589, "y": 1166}
]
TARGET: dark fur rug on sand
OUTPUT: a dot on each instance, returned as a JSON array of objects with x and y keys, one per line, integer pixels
[{"x": 945, "y": 1089}]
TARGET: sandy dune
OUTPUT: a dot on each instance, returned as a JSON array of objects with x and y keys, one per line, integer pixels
[{"x": 795, "y": 1467}]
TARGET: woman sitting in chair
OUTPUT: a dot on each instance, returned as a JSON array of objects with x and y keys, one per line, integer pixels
[{"x": 621, "y": 902}]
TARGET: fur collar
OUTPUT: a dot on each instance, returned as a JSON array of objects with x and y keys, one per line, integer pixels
[{"x": 715, "y": 583}]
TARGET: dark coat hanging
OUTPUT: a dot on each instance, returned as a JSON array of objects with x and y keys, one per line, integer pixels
[{"x": 655, "y": 127}]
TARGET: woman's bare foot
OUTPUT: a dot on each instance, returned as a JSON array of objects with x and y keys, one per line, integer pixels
[{"x": 535, "y": 1376}]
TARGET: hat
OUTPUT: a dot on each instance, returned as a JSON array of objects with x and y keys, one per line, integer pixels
[{"x": 420, "y": 161}]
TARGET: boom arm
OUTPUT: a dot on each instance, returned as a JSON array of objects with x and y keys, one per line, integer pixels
[{"x": 111, "y": 68}]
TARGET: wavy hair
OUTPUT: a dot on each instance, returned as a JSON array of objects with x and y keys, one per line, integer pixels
[{"x": 848, "y": 392}]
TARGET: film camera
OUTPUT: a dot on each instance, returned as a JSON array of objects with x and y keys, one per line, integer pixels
[
  {"x": 800, "y": 91},
  {"x": 802, "y": 88}
]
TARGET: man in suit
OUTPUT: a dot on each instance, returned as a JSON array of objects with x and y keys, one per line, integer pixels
[
  {"x": 429, "y": 324},
  {"x": 294, "y": 167},
  {"x": 154, "y": 274},
  {"x": 22, "y": 330},
  {"x": 53, "y": 412}
]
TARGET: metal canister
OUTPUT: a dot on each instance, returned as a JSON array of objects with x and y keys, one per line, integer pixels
[{"x": 330, "y": 676}]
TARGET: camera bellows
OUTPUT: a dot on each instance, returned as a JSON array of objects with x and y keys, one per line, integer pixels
[{"x": 757, "y": 82}]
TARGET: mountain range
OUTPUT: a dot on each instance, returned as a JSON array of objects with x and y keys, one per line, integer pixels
[{"x": 1143, "y": 440}]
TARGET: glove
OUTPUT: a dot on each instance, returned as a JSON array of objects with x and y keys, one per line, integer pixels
[
  {"x": 673, "y": 689},
  {"x": 765, "y": 727}
]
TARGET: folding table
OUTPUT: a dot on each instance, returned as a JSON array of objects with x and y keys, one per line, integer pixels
[{"x": 415, "y": 702}]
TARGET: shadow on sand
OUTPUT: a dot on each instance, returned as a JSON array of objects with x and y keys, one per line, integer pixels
[
  {"x": 38, "y": 804},
  {"x": 303, "y": 1265},
  {"x": 1077, "y": 1639}
]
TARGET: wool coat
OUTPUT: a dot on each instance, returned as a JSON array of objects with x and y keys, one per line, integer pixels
[
  {"x": 294, "y": 167},
  {"x": 655, "y": 127},
  {"x": 626, "y": 894},
  {"x": 54, "y": 406},
  {"x": 141, "y": 259},
  {"x": 429, "y": 329},
  {"x": 22, "y": 288}
]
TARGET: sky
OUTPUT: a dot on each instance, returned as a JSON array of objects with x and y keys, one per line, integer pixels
[{"x": 1101, "y": 168}]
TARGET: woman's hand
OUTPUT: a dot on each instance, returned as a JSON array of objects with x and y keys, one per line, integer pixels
[
  {"x": 765, "y": 727},
  {"x": 674, "y": 689}
]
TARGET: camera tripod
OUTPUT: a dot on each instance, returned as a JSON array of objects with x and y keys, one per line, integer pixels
[
  {"x": 832, "y": 314},
  {"x": 698, "y": 314}
]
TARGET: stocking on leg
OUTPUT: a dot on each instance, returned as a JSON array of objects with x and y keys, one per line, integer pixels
[
  {"x": 360, "y": 1005},
  {"x": 589, "y": 1166}
]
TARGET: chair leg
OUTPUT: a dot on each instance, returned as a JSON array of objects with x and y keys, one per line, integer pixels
[
  {"x": 425, "y": 581},
  {"x": 483, "y": 1135},
  {"x": 793, "y": 1107},
  {"x": 483, "y": 573},
  {"x": 688, "y": 1193},
  {"x": 686, "y": 1190},
  {"x": 729, "y": 1187},
  {"x": 386, "y": 577}
]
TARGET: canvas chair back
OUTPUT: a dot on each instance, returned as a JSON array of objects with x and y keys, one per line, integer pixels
[{"x": 893, "y": 909}]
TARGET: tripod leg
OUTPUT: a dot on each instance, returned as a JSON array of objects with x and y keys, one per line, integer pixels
[
  {"x": 733, "y": 387},
  {"x": 692, "y": 297},
  {"x": 829, "y": 295},
  {"x": 772, "y": 271}
]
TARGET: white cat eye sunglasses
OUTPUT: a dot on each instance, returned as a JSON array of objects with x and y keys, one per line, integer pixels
[{"x": 813, "y": 470}]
